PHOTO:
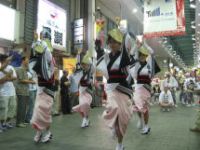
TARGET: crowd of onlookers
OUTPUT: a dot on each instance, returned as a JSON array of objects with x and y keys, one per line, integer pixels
[
  {"x": 18, "y": 92},
  {"x": 182, "y": 87}
]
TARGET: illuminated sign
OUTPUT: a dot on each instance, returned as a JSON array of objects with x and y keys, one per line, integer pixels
[
  {"x": 52, "y": 19},
  {"x": 7, "y": 25}
]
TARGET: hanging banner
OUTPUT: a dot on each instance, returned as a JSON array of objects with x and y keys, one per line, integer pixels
[
  {"x": 100, "y": 34},
  {"x": 164, "y": 18}
]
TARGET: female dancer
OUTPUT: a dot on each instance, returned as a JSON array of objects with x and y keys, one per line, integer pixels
[
  {"x": 85, "y": 89},
  {"x": 43, "y": 65},
  {"x": 142, "y": 72},
  {"x": 114, "y": 67}
]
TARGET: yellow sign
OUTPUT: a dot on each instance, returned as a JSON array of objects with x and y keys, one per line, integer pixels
[{"x": 69, "y": 64}]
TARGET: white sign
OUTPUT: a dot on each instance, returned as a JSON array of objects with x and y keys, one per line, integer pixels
[
  {"x": 52, "y": 19},
  {"x": 7, "y": 25},
  {"x": 160, "y": 17}
]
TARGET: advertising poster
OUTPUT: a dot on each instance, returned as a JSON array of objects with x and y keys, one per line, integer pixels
[
  {"x": 164, "y": 18},
  {"x": 69, "y": 64},
  {"x": 52, "y": 19}
]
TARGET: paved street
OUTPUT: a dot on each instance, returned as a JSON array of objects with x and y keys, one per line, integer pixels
[{"x": 170, "y": 131}]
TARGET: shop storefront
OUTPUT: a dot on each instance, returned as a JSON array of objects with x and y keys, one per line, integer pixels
[
  {"x": 7, "y": 27},
  {"x": 53, "y": 17}
]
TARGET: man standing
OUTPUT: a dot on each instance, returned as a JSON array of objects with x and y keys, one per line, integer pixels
[
  {"x": 73, "y": 89},
  {"x": 171, "y": 82},
  {"x": 22, "y": 90},
  {"x": 64, "y": 92}
]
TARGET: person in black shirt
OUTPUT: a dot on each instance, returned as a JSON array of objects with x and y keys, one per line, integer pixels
[{"x": 64, "y": 92}]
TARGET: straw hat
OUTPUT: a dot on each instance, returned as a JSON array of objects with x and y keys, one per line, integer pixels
[
  {"x": 116, "y": 34},
  {"x": 143, "y": 50},
  {"x": 87, "y": 58}
]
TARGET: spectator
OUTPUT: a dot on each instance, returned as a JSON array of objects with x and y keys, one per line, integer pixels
[
  {"x": 156, "y": 93},
  {"x": 7, "y": 93},
  {"x": 171, "y": 82},
  {"x": 73, "y": 89},
  {"x": 165, "y": 99},
  {"x": 56, "y": 104},
  {"x": 22, "y": 91},
  {"x": 64, "y": 92}
]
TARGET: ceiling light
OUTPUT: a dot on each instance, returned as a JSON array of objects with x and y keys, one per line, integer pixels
[
  {"x": 192, "y": 26},
  {"x": 198, "y": 14},
  {"x": 192, "y": 6},
  {"x": 170, "y": 65},
  {"x": 198, "y": 32},
  {"x": 165, "y": 61},
  {"x": 193, "y": 39},
  {"x": 134, "y": 10}
]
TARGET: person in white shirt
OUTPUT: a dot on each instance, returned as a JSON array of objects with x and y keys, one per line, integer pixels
[
  {"x": 7, "y": 92},
  {"x": 171, "y": 82},
  {"x": 166, "y": 99}
]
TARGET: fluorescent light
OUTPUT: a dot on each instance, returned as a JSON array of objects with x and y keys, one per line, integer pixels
[
  {"x": 192, "y": 6},
  {"x": 134, "y": 10},
  {"x": 193, "y": 27}
]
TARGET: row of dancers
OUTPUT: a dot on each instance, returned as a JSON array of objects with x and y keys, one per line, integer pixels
[{"x": 122, "y": 67}]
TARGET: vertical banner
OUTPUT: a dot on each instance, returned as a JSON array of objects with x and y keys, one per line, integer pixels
[
  {"x": 100, "y": 34},
  {"x": 164, "y": 18}
]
